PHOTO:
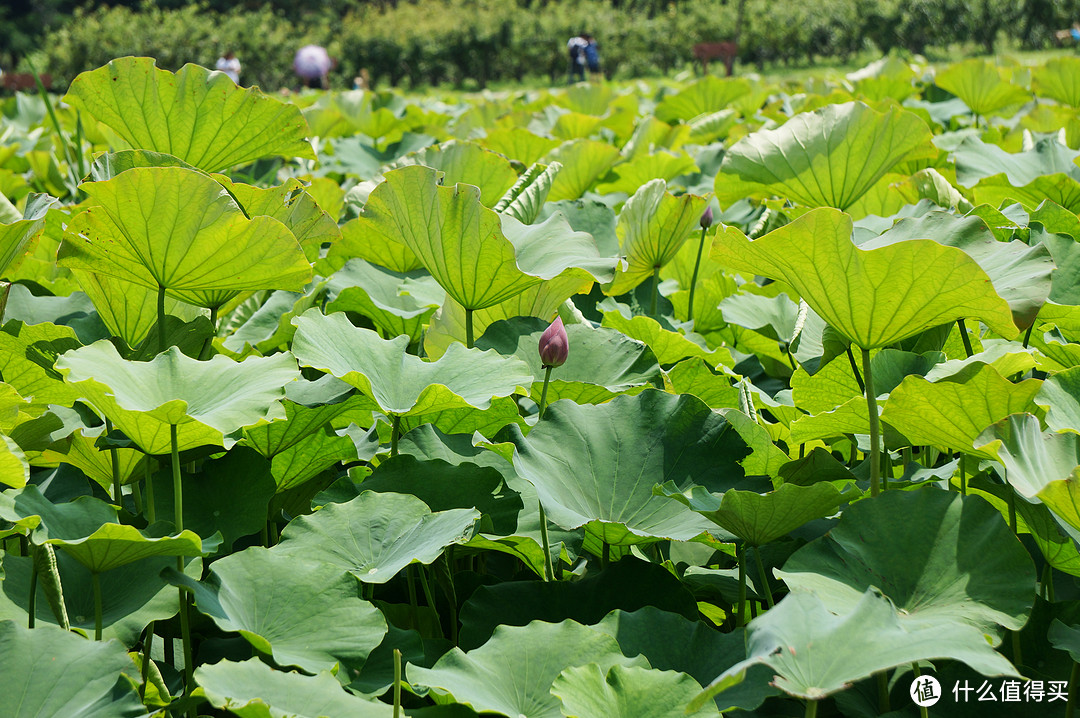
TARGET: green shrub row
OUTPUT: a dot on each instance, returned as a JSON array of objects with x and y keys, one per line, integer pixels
[{"x": 434, "y": 41}]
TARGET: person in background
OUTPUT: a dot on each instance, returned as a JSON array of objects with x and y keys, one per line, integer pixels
[
  {"x": 592, "y": 57},
  {"x": 228, "y": 64},
  {"x": 576, "y": 47},
  {"x": 312, "y": 64}
]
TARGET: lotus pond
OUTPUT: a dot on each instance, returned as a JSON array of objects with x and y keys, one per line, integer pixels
[{"x": 287, "y": 427}]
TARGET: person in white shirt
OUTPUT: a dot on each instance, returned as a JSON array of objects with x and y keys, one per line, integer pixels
[
  {"x": 576, "y": 47},
  {"x": 230, "y": 66}
]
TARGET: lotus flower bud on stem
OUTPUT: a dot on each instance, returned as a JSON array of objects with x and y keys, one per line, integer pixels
[
  {"x": 554, "y": 345},
  {"x": 706, "y": 218}
]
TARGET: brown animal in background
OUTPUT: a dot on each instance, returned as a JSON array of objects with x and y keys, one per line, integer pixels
[
  {"x": 724, "y": 51},
  {"x": 24, "y": 81}
]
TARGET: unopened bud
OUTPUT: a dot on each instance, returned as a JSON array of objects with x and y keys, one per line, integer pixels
[
  {"x": 554, "y": 344},
  {"x": 706, "y": 218}
]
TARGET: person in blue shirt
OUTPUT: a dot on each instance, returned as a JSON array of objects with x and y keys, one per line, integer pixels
[{"x": 592, "y": 56}]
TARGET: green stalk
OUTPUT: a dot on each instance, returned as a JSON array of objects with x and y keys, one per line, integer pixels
[
  {"x": 693, "y": 278},
  {"x": 178, "y": 485},
  {"x": 882, "y": 692},
  {"x": 426, "y": 587},
  {"x": 468, "y": 329},
  {"x": 410, "y": 585},
  {"x": 908, "y": 458},
  {"x": 855, "y": 369},
  {"x": 397, "y": 683},
  {"x": 204, "y": 353},
  {"x": 549, "y": 570},
  {"x": 395, "y": 434},
  {"x": 1018, "y": 656},
  {"x": 763, "y": 577},
  {"x": 33, "y": 594},
  {"x": 543, "y": 392},
  {"x": 875, "y": 443},
  {"x": 95, "y": 578},
  {"x": 740, "y": 556},
  {"x": 605, "y": 555},
  {"x": 118, "y": 493},
  {"x": 811, "y": 709},
  {"x": 1012, "y": 512},
  {"x": 655, "y": 292},
  {"x": 151, "y": 510},
  {"x": 963, "y": 474},
  {"x": 161, "y": 318},
  {"x": 146, "y": 659},
  {"x": 923, "y": 712},
  {"x": 1027, "y": 335},
  {"x": 964, "y": 337},
  {"x": 136, "y": 496},
  {"x": 69, "y": 154},
  {"x": 178, "y": 520},
  {"x": 1070, "y": 707}
]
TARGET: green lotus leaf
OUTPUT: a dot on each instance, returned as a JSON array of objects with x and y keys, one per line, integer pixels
[
  {"x": 930, "y": 184},
  {"x": 206, "y": 401},
  {"x": 202, "y": 257},
  {"x": 127, "y": 309},
  {"x": 300, "y": 422},
  {"x": 597, "y": 465},
  {"x": 396, "y": 303},
  {"x": 652, "y": 227},
  {"x": 55, "y": 673},
  {"x": 1032, "y": 458},
  {"x": 1060, "y": 394},
  {"x": 518, "y": 143},
  {"x": 754, "y": 311},
  {"x": 981, "y": 85},
  {"x": 14, "y": 471},
  {"x": 291, "y": 204},
  {"x": 572, "y": 125},
  {"x": 270, "y": 326},
  {"x": 109, "y": 164},
  {"x": 873, "y": 297},
  {"x": 826, "y": 158},
  {"x": 816, "y": 653},
  {"x": 27, "y": 356},
  {"x": 835, "y": 383},
  {"x": 693, "y": 376},
  {"x": 976, "y": 160},
  {"x": 17, "y": 234},
  {"x": 1065, "y": 638},
  {"x": 114, "y": 545},
  {"x": 889, "y": 77},
  {"x": 851, "y": 417},
  {"x": 761, "y": 518},
  {"x": 376, "y": 535},
  {"x": 709, "y": 94},
  {"x": 584, "y": 162},
  {"x": 513, "y": 672},
  {"x": 133, "y": 595},
  {"x": 627, "y": 692},
  {"x": 469, "y": 163},
  {"x": 668, "y": 346},
  {"x": 951, "y": 413},
  {"x": 362, "y": 239},
  {"x": 401, "y": 383},
  {"x": 201, "y": 118},
  {"x": 1058, "y": 79},
  {"x": 526, "y": 198},
  {"x": 252, "y": 689},
  {"x": 467, "y": 419},
  {"x": 939, "y": 557},
  {"x": 301, "y": 612},
  {"x": 1020, "y": 274},
  {"x": 638, "y": 171},
  {"x": 601, "y": 364}
]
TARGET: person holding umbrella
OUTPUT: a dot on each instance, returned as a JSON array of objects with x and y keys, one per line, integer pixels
[{"x": 313, "y": 64}]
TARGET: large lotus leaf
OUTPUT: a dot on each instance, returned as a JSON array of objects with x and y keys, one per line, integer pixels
[
  {"x": 475, "y": 258},
  {"x": 938, "y": 556},
  {"x": 513, "y": 672},
  {"x": 301, "y": 612},
  {"x": 127, "y": 309},
  {"x": 300, "y": 422},
  {"x": 526, "y": 198},
  {"x": 668, "y": 346},
  {"x": 206, "y": 401},
  {"x": 597, "y": 465},
  {"x": 584, "y": 162},
  {"x": 14, "y": 471},
  {"x": 762, "y": 518},
  {"x": 114, "y": 545},
  {"x": 977, "y": 160},
  {"x": 27, "y": 356},
  {"x": 707, "y": 95},
  {"x": 816, "y": 653},
  {"x": 16, "y": 235},
  {"x": 252, "y": 689},
  {"x": 132, "y": 595},
  {"x": 293, "y": 206},
  {"x": 652, "y": 227},
  {"x": 1058, "y": 79},
  {"x": 693, "y": 376},
  {"x": 981, "y": 85},
  {"x": 396, "y": 303},
  {"x": 951, "y": 413},
  {"x": 627, "y": 692},
  {"x": 29, "y": 511},
  {"x": 601, "y": 363},
  {"x": 1060, "y": 394},
  {"x": 402, "y": 383},
  {"x": 889, "y": 77},
  {"x": 182, "y": 231},
  {"x": 269, "y": 327},
  {"x": 826, "y": 158},
  {"x": 1020, "y": 274},
  {"x": 376, "y": 535},
  {"x": 50, "y": 672},
  {"x": 1032, "y": 458},
  {"x": 199, "y": 117},
  {"x": 629, "y": 176},
  {"x": 873, "y": 297},
  {"x": 470, "y": 163},
  {"x": 518, "y": 143},
  {"x": 362, "y": 239}
]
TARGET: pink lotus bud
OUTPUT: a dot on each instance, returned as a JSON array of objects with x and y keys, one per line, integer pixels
[
  {"x": 706, "y": 218},
  {"x": 554, "y": 345}
]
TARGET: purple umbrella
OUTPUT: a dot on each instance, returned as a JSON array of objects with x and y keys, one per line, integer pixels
[{"x": 312, "y": 62}]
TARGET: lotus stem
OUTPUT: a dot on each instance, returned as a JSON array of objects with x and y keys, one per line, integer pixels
[
  {"x": 964, "y": 337},
  {"x": 161, "y": 318},
  {"x": 410, "y": 586},
  {"x": 1012, "y": 511},
  {"x": 543, "y": 392},
  {"x": 178, "y": 485},
  {"x": 151, "y": 510},
  {"x": 118, "y": 493},
  {"x": 855, "y": 370},
  {"x": 468, "y": 329},
  {"x": 397, "y": 683},
  {"x": 963, "y": 474},
  {"x": 178, "y": 520},
  {"x": 1070, "y": 707},
  {"x": 426, "y": 587},
  {"x": 693, "y": 278},
  {"x": 549, "y": 570},
  {"x": 811, "y": 709},
  {"x": 1027, "y": 335},
  {"x": 136, "y": 497},
  {"x": 95, "y": 579},
  {"x": 605, "y": 555},
  {"x": 883, "y": 692},
  {"x": 395, "y": 434},
  {"x": 923, "y": 713},
  {"x": 763, "y": 576},
  {"x": 1018, "y": 656},
  {"x": 145, "y": 668},
  {"x": 32, "y": 603},
  {"x": 655, "y": 292},
  {"x": 204, "y": 353},
  {"x": 875, "y": 441},
  {"x": 909, "y": 458},
  {"x": 740, "y": 557}
]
